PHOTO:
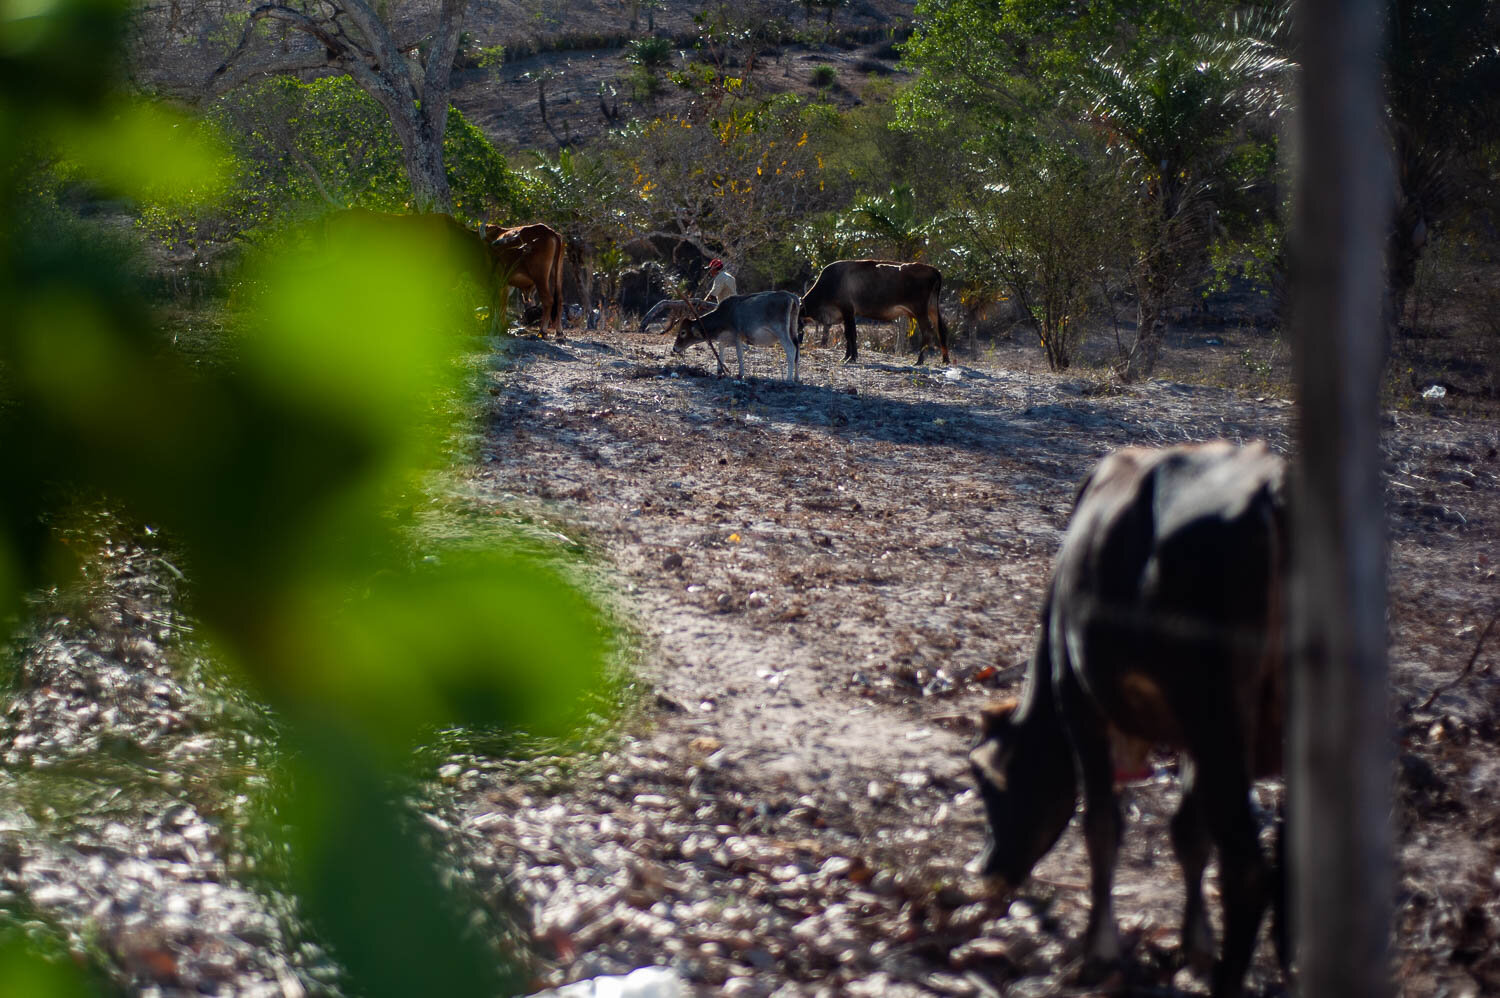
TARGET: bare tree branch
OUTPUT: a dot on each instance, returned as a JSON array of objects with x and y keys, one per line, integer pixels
[{"x": 236, "y": 74}]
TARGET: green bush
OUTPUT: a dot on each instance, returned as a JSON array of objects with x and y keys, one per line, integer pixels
[
  {"x": 650, "y": 53},
  {"x": 824, "y": 76}
]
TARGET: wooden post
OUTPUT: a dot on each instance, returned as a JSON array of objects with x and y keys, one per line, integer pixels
[{"x": 1340, "y": 746}]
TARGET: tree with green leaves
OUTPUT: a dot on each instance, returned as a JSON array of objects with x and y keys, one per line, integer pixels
[
  {"x": 887, "y": 225},
  {"x": 1442, "y": 85},
  {"x": 1046, "y": 229},
  {"x": 578, "y": 193},
  {"x": 1174, "y": 114},
  {"x": 731, "y": 180},
  {"x": 404, "y": 69}
]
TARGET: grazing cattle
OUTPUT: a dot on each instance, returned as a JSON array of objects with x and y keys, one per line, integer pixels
[
  {"x": 532, "y": 257},
  {"x": 1163, "y": 625},
  {"x": 759, "y": 319},
  {"x": 675, "y": 312},
  {"x": 878, "y": 289},
  {"x": 640, "y": 286}
]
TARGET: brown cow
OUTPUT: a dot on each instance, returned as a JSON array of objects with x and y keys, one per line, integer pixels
[
  {"x": 532, "y": 256},
  {"x": 1162, "y": 625},
  {"x": 878, "y": 289}
]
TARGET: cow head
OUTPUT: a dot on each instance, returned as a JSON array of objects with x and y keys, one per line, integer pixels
[
  {"x": 689, "y": 331},
  {"x": 1025, "y": 776}
]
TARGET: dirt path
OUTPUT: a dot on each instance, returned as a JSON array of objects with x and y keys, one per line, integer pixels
[{"x": 830, "y": 579}]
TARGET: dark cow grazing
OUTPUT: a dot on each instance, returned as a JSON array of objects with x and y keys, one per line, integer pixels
[
  {"x": 532, "y": 257},
  {"x": 1163, "y": 625},
  {"x": 759, "y": 319},
  {"x": 674, "y": 312},
  {"x": 878, "y": 289},
  {"x": 641, "y": 286}
]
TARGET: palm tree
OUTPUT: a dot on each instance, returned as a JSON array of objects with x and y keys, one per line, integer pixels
[
  {"x": 887, "y": 224},
  {"x": 575, "y": 194},
  {"x": 1442, "y": 73},
  {"x": 1173, "y": 115}
]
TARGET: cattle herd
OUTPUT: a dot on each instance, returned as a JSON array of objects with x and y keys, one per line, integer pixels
[{"x": 1162, "y": 625}]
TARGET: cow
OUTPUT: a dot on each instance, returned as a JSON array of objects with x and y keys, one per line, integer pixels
[
  {"x": 640, "y": 286},
  {"x": 1163, "y": 624},
  {"x": 759, "y": 319},
  {"x": 878, "y": 289},
  {"x": 675, "y": 312},
  {"x": 530, "y": 257}
]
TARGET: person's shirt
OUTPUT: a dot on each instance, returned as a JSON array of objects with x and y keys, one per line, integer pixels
[{"x": 722, "y": 286}]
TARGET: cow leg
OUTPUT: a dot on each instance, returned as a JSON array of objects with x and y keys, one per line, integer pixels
[
  {"x": 924, "y": 326},
  {"x": 1244, "y": 879},
  {"x": 935, "y": 319},
  {"x": 1191, "y": 843},
  {"x": 739, "y": 355},
  {"x": 851, "y": 339},
  {"x": 1101, "y": 828}
]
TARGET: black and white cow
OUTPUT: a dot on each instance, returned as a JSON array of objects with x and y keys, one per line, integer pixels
[{"x": 1162, "y": 625}]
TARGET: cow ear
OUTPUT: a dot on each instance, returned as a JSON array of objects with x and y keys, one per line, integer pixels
[
  {"x": 989, "y": 760},
  {"x": 995, "y": 719},
  {"x": 491, "y": 231}
]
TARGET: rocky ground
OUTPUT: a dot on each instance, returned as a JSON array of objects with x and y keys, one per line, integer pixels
[{"x": 825, "y": 582}]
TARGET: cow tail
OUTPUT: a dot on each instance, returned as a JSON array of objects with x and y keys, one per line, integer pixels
[
  {"x": 942, "y": 324},
  {"x": 557, "y": 285}
]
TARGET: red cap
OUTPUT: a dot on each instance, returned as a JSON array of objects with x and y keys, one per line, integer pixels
[{"x": 716, "y": 264}]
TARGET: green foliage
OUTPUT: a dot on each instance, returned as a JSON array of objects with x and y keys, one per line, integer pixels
[
  {"x": 644, "y": 85},
  {"x": 650, "y": 53},
  {"x": 301, "y": 148},
  {"x": 888, "y": 225},
  {"x": 491, "y": 57},
  {"x": 25, "y": 970},
  {"x": 277, "y": 479},
  {"x": 483, "y": 184},
  {"x": 695, "y": 76},
  {"x": 824, "y": 76},
  {"x": 1044, "y": 231}
]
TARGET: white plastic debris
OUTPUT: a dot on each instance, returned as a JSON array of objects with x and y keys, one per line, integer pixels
[
  {"x": 1435, "y": 392},
  {"x": 648, "y": 982},
  {"x": 953, "y": 374}
]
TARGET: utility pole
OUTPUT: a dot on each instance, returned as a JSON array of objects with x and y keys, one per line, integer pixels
[{"x": 1339, "y": 775}]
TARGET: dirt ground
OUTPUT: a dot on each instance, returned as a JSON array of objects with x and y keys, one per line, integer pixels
[
  {"x": 830, "y": 578},
  {"x": 823, "y": 583}
]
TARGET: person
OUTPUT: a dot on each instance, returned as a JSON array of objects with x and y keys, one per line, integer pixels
[{"x": 721, "y": 282}]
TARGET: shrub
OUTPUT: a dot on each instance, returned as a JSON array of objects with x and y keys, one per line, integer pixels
[
  {"x": 824, "y": 76},
  {"x": 650, "y": 53}
]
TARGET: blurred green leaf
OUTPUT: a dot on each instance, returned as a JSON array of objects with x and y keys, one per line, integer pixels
[
  {"x": 486, "y": 639},
  {"x": 24, "y": 972},
  {"x": 274, "y": 478},
  {"x": 368, "y": 883},
  {"x": 146, "y": 151}
]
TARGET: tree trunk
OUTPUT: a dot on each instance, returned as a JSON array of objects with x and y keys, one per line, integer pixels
[
  {"x": 353, "y": 39},
  {"x": 1339, "y": 769},
  {"x": 422, "y": 153}
]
